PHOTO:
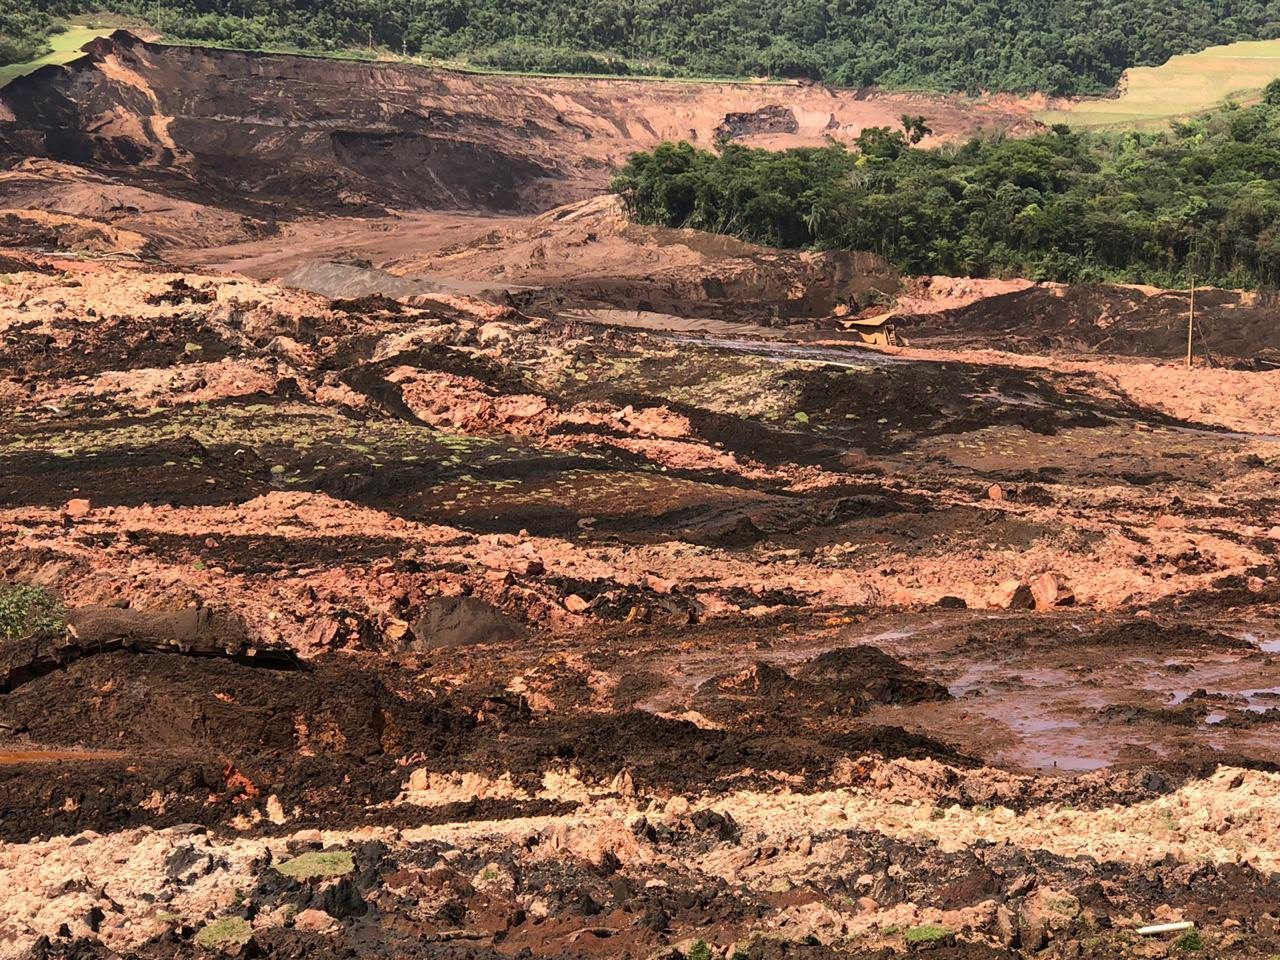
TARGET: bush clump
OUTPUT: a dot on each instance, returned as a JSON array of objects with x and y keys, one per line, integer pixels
[{"x": 28, "y": 613}]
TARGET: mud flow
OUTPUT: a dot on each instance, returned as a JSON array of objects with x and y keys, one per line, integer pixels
[{"x": 407, "y": 566}]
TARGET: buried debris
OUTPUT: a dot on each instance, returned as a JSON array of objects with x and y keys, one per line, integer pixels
[{"x": 1158, "y": 928}]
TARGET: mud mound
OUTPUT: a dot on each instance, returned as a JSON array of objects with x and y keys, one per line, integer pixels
[
  {"x": 184, "y": 705},
  {"x": 874, "y": 674},
  {"x": 587, "y": 261},
  {"x": 463, "y": 621},
  {"x": 843, "y": 682},
  {"x": 664, "y": 753},
  {"x": 92, "y": 631},
  {"x": 1131, "y": 321}
]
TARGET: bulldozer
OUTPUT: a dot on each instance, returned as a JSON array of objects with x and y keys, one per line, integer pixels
[{"x": 877, "y": 330}]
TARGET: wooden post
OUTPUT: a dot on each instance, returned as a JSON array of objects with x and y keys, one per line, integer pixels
[{"x": 1191, "y": 319}]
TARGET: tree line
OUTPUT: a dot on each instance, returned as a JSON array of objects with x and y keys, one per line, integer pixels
[
  {"x": 1056, "y": 46},
  {"x": 1202, "y": 200}
]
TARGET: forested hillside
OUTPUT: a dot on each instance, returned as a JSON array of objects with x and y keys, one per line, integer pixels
[
  {"x": 1202, "y": 200},
  {"x": 1059, "y": 46}
]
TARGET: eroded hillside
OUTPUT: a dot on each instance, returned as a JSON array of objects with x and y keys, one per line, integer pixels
[{"x": 273, "y": 135}]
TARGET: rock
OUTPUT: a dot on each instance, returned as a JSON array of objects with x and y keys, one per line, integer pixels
[
  {"x": 1006, "y": 928},
  {"x": 395, "y": 630},
  {"x": 494, "y": 332},
  {"x": 275, "y": 810},
  {"x": 460, "y": 622},
  {"x": 951, "y": 603},
  {"x": 623, "y": 785},
  {"x": 575, "y": 604},
  {"x": 76, "y": 508},
  {"x": 314, "y": 921},
  {"x": 995, "y": 493},
  {"x": 529, "y": 567},
  {"x": 1049, "y": 591},
  {"x": 1011, "y": 595}
]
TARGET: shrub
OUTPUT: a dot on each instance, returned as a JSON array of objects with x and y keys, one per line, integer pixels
[
  {"x": 1190, "y": 942},
  {"x": 30, "y": 612}
]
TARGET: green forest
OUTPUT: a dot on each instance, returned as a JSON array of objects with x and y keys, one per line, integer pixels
[
  {"x": 1057, "y": 46},
  {"x": 1202, "y": 199}
]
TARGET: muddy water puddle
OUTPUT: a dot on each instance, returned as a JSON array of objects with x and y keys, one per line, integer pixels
[{"x": 1063, "y": 706}]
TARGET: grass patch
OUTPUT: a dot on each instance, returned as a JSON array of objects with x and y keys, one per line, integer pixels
[
  {"x": 318, "y": 865},
  {"x": 30, "y": 612},
  {"x": 928, "y": 934},
  {"x": 1190, "y": 942},
  {"x": 1180, "y": 87},
  {"x": 224, "y": 933},
  {"x": 65, "y": 48}
]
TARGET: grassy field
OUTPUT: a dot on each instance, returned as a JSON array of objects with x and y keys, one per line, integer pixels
[
  {"x": 1184, "y": 85},
  {"x": 66, "y": 46}
]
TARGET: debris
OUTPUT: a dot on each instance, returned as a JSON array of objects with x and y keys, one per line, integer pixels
[{"x": 1158, "y": 928}]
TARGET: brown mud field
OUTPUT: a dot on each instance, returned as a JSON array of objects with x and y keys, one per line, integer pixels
[
  {"x": 503, "y": 635},
  {"x": 450, "y": 583}
]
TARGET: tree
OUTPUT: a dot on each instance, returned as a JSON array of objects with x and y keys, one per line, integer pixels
[{"x": 915, "y": 128}]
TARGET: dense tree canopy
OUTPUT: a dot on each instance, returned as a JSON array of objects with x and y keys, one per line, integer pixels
[
  {"x": 1060, "y": 46},
  {"x": 1202, "y": 199}
]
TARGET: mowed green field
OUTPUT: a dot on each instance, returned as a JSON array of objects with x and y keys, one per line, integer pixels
[
  {"x": 66, "y": 46},
  {"x": 1184, "y": 85}
]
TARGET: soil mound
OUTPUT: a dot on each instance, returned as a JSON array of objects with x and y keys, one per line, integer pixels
[
  {"x": 843, "y": 682},
  {"x": 1130, "y": 321},
  {"x": 92, "y": 631}
]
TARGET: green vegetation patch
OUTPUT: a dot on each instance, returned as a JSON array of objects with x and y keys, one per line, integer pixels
[
  {"x": 1201, "y": 199},
  {"x": 1181, "y": 87},
  {"x": 928, "y": 934},
  {"x": 30, "y": 612},
  {"x": 23, "y": 48},
  {"x": 227, "y": 933},
  {"x": 1190, "y": 942},
  {"x": 318, "y": 865},
  {"x": 1016, "y": 45}
]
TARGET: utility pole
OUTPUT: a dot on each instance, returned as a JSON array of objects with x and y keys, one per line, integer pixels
[{"x": 1191, "y": 319}]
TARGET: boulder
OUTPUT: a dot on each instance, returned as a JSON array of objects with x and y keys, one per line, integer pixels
[
  {"x": 1011, "y": 595},
  {"x": 76, "y": 508},
  {"x": 1049, "y": 590}
]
